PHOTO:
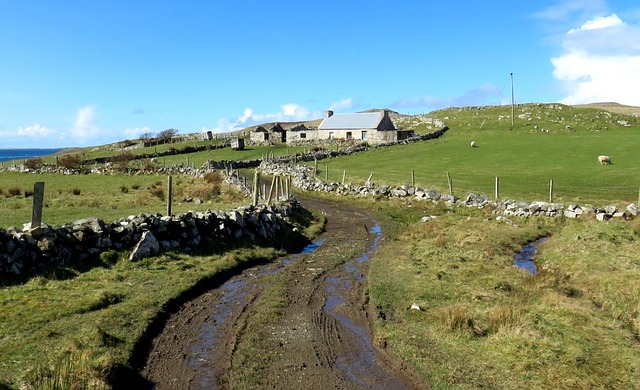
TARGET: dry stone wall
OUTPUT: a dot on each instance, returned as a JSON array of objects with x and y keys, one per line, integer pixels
[
  {"x": 304, "y": 179},
  {"x": 34, "y": 251}
]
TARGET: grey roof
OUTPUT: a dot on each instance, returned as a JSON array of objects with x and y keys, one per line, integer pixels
[{"x": 364, "y": 120}]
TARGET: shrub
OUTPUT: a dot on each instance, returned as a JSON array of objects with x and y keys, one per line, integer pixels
[
  {"x": 15, "y": 191},
  {"x": 124, "y": 189},
  {"x": 158, "y": 192},
  {"x": 213, "y": 177},
  {"x": 136, "y": 186},
  {"x": 149, "y": 164},
  {"x": 75, "y": 191},
  {"x": 28, "y": 193},
  {"x": 75, "y": 161},
  {"x": 34, "y": 163}
]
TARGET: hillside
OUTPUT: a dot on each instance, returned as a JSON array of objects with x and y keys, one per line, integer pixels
[{"x": 613, "y": 107}]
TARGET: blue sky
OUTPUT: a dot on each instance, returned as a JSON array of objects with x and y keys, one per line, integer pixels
[{"x": 84, "y": 72}]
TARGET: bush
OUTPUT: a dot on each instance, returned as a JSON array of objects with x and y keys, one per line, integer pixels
[
  {"x": 75, "y": 191},
  {"x": 124, "y": 189},
  {"x": 15, "y": 191},
  {"x": 213, "y": 177},
  {"x": 158, "y": 192},
  {"x": 149, "y": 164},
  {"x": 34, "y": 163},
  {"x": 75, "y": 161}
]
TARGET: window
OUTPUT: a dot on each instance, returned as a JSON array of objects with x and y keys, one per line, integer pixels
[
  {"x": 303, "y": 135},
  {"x": 364, "y": 135},
  {"x": 349, "y": 136},
  {"x": 331, "y": 135}
]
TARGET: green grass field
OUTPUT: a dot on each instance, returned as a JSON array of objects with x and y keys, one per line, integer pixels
[
  {"x": 108, "y": 197},
  {"x": 483, "y": 323},
  {"x": 524, "y": 159}
]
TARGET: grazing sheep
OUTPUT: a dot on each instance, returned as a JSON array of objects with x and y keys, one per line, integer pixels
[
  {"x": 473, "y": 144},
  {"x": 604, "y": 160}
]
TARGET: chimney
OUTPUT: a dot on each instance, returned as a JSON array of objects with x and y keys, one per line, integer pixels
[{"x": 329, "y": 114}]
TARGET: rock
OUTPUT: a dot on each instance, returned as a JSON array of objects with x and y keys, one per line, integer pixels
[
  {"x": 146, "y": 247},
  {"x": 91, "y": 223}
]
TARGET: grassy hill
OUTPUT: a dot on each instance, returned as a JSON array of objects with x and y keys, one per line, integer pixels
[
  {"x": 613, "y": 107},
  {"x": 547, "y": 142},
  {"x": 482, "y": 324}
]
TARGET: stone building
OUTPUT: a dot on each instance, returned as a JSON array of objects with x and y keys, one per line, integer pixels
[
  {"x": 275, "y": 134},
  {"x": 371, "y": 127}
]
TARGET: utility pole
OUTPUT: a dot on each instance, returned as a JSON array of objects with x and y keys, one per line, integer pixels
[{"x": 513, "y": 102}]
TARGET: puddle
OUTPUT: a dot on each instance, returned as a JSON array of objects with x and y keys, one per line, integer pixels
[
  {"x": 360, "y": 366},
  {"x": 312, "y": 247},
  {"x": 236, "y": 293},
  {"x": 526, "y": 258},
  {"x": 307, "y": 249}
]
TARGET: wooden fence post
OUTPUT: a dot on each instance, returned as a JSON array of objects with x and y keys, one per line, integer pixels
[
  {"x": 344, "y": 174},
  {"x": 369, "y": 179},
  {"x": 450, "y": 182},
  {"x": 315, "y": 167},
  {"x": 413, "y": 178},
  {"x": 497, "y": 191},
  {"x": 273, "y": 182},
  {"x": 551, "y": 191},
  {"x": 38, "y": 200},
  {"x": 256, "y": 186},
  {"x": 326, "y": 172},
  {"x": 169, "y": 194}
]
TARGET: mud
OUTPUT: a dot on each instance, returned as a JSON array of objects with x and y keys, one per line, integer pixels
[{"x": 323, "y": 340}]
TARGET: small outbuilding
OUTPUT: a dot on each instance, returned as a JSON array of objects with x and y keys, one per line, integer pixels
[{"x": 237, "y": 144}]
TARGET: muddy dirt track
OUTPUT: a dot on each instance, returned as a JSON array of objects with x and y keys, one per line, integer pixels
[{"x": 323, "y": 340}]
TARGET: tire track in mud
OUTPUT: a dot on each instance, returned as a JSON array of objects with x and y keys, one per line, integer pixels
[{"x": 322, "y": 341}]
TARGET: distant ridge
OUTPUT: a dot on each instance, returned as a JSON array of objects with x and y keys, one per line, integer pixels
[{"x": 613, "y": 107}]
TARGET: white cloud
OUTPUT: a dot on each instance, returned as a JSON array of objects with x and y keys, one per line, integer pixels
[
  {"x": 134, "y": 133},
  {"x": 293, "y": 113},
  {"x": 290, "y": 112},
  {"x": 599, "y": 23},
  {"x": 600, "y": 61},
  {"x": 247, "y": 115},
  {"x": 84, "y": 128},
  {"x": 344, "y": 104},
  {"x": 567, "y": 9},
  {"x": 36, "y": 131}
]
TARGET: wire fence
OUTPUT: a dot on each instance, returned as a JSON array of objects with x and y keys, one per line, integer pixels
[{"x": 521, "y": 188}]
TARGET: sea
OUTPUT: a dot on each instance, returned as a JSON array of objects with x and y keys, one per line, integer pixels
[{"x": 23, "y": 154}]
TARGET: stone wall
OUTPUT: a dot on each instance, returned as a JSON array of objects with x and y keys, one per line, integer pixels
[
  {"x": 303, "y": 178},
  {"x": 38, "y": 250}
]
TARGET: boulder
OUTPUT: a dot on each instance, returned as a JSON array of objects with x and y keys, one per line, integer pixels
[{"x": 146, "y": 247}]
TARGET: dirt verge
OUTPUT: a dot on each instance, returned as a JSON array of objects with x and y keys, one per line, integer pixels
[{"x": 321, "y": 340}]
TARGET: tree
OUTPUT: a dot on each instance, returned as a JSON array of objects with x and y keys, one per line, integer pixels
[
  {"x": 167, "y": 134},
  {"x": 146, "y": 136}
]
